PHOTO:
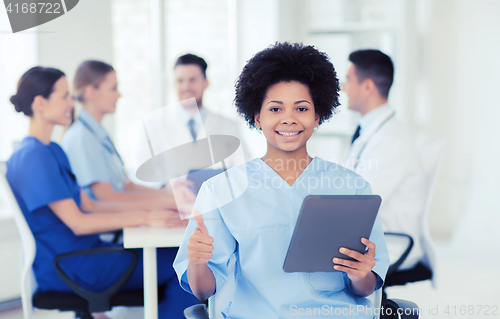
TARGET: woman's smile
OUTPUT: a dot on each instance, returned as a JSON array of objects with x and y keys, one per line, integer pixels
[{"x": 289, "y": 136}]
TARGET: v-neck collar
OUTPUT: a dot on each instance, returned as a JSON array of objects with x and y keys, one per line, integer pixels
[
  {"x": 270, "y": 173},
  {"x": 295, "y": 192},
  {"x": 292, "y": 192},
  {"x": 269, "y": 168}
]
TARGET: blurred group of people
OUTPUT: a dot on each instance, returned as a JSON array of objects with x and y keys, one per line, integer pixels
[{"x": 71, "y": 193}]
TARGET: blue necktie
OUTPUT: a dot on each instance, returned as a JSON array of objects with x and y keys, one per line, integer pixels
[
  {"x": 191, "y": 129},
  {"x": 356, "y": 134}
]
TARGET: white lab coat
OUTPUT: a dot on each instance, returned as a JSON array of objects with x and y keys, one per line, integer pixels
[
  {"x": 166, "y": 128},
  {"x": 386, "y": 156}
]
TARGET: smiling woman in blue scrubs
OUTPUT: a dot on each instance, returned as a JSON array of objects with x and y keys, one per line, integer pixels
[
  {"x": 61, "y": 216},
  {"x": 285, "y": 91},
  {"x": 91, "y": 152}
]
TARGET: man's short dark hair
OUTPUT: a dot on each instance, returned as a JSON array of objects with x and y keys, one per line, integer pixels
[
  {"x": 192, "y": 59},
  {"x": 375, "y": 65},
  {"x": 287, "y": 62}
]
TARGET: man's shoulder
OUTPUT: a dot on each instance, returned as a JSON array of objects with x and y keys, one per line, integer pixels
[
  {"x": 397, "y": 124},
  {"x": 32, "y": 153},
  {"x": 394, "y": 131},
  {"x": 393, "y": 142},
  {"x": 220, "y": 124}
]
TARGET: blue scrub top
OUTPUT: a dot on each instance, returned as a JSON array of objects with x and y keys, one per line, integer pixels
[
  {"x": 40, "y": 174},
  {"x": 257, "y": 227},
  {"x": 93, "y": 155}
]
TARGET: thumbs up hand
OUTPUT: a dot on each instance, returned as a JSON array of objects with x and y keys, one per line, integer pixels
[{"x": 200, "y": 243}]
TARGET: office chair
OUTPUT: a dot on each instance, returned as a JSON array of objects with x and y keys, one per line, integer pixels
[
  {"x": 222, "y": 297},
  {"x": 82, "y": 302},
  {"x": 431, "y": 155}
]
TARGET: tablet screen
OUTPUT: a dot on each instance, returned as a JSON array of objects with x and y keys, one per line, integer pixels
[{"x": 326, "y": 223}]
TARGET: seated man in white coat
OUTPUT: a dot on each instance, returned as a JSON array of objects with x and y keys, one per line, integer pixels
[
  {"x": 179, "y": 132},
  {"x": 383, "y": 152}
]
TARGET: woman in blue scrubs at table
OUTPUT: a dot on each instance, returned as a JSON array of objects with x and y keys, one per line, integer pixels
[
  {"x": 61, "y": 216},
  {"x": 91, "y": 152},
  {"x": 285, "y": 91}
]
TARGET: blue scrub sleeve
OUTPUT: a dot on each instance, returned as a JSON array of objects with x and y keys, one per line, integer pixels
[
  {"x": 40, "y": 182},
  {"x": 381, "y": 252},
  {"x": 224, "y": 243},
  {"x": 84, "y": 153}
]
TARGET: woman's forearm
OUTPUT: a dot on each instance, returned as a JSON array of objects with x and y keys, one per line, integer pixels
[
  {"x": 89, "y": 205},
  {"x": 112, "y": 207},
  {"x": 83, "y": 223},
  {"x": 104, "y": 191},
  {"x": 159, "y": 200},
  {"x": 105, "y": 222},
  {"x": 201, "y": 280},
  {"x": 143, "y": 190}
]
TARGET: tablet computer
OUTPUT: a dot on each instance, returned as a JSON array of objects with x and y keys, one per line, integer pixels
[
  {"x": 326, "y": 223},
  {"x": 200, "y": 176}
]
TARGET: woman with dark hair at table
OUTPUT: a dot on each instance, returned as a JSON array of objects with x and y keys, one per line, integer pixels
[{"x": 61, "y": 216}]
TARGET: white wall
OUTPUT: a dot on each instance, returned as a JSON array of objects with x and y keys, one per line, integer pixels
[
  {"x": 473, "y": 115},
  {"x": 459, "y": 50},
  {"x": 17, "y": 54},
  {"x": 83, "y": 33}
]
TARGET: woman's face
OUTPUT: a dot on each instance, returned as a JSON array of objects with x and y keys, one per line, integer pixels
[
  {"x": 58, "y": 107},
  {"x": 106, "y": 94},
  {"x": 287, "y": 117}
]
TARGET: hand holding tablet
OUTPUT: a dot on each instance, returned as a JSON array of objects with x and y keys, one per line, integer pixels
[{"x": 363, "y": 264}]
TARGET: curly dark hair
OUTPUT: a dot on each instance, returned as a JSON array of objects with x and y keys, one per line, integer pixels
[{"x": 287, "y": 62}]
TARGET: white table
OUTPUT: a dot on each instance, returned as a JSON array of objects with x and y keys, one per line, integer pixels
[{"x": 150, "y": 238}]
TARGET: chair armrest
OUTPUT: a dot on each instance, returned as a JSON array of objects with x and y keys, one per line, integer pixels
[
  {"x": 399, "y": 308},
  {"x": 118, "y": 234},
  {"x": 115, "y": 237},
  {"x": 395, "y": 266},
  {"x": 196, "y": 312},
  {"x": 98, "y": 301}
]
